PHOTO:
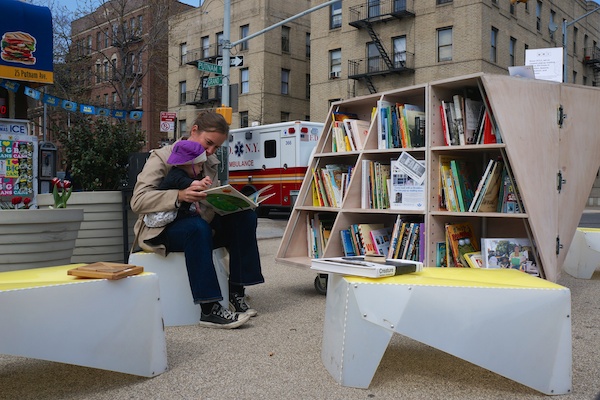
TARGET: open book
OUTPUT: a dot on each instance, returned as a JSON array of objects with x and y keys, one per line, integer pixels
[{"x": 226, "y": 199}]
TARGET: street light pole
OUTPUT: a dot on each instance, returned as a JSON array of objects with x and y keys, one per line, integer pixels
[{"x": 564, "y": 28}]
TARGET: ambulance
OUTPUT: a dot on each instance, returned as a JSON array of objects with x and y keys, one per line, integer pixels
[{"x": 274, "y": 154}]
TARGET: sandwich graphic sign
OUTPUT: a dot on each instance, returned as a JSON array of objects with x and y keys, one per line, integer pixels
[{"x": 26, "y": 44}]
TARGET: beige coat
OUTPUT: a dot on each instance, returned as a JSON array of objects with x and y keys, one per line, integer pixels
[{"x": 147, "y": 198}]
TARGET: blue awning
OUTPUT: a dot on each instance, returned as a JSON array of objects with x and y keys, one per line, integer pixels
[{"x": 26, "y": 42}]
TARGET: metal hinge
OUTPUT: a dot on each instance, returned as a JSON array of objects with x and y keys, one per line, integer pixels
[
  {"x": 558, "y": 245},
  {"x": 560, "y": 181},
  {"x": 561, "y": 116}
]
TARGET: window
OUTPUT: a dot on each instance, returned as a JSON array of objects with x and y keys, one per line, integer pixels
[
  {"x": 494, "y": 45},
  {"x": 525, "y": 48},
  {"x": 373, "y": 8},
  {"x": 106, "y": 38},
  {"x": 182, "y": 53},
  {"x": 219, "y": 37},
  {"x": 98, "y": 72},
  {"x": 132, "y": 28},
  {"x": 574, "y": 76},
  {"x": 285, "y": 116},
  {"x": 270, "y": 148},
  {"x": 243, "y": 119},
  {"x": 98, "y": 40},
  {"x": 586, "y": 52},
  {"x": 244, "y": 31},
  {"x": 538, "y": 16},
  {"x": 182, "y": 89},
  {"x": 182, "y": 127},
  {"x": 399, "y": 46},
  {"x": 307, "y": 88},
  {"x": 140, "y": 98},
  {"x": 113, "y": 66},
  {"x": 307, "y": 45},
  {"x": 244, "y": 80},
  {"x": 335, "y": 15},
  {"x": 444, "y": 1},
  {"x": 140, "y": 25},
  {"x": 105, "y": 99},
  {"x": 132, "y": 97},
  {"x": 575, "y": 30},
  {"x": 512, "y": 9},
  {"x": 88, "y": 48},
  {"x": 335, "y": 63},
  {"x": 205, "y": 43},
  {"x": 285, "y": 39},
  {"x": 114, "y": 98},
  {"x": 444, "y": 36},
  {"x": 285, "y": 81},
  {"x": 105, "y": 73},
  {"x": 373, "y": 58},
  {"x": 552, "y": 23},
  {"x": 511, "y": 51}
]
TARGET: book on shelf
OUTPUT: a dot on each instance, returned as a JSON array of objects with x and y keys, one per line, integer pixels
[
  {"x": 347, "y": 243},
  {"x": 359, "y": 266},
  {"x": 490, "y": 190},
  {"x": 515, "y": 253},
  {"x": 374, "y": 185},
  {"x": 358, "y": 130},
  {"x": 227, "y": 200},
  {"x": 464, "y": 175},
  {"x": 365, "y": 237},
  {"x": 383, "y": 123},
  {"x": 405, "y": 192},
  {"x": 482, "y": 180},
  {"x": 381, "y": 240},
  {"x": 473, "y": 116},
  {"x": 318, "y": 228},
  {"x": 459, "y": 126},
  {"x": 474, "y": 259},
  {"x": 461, "y": 239},
  {"x": 440, "y": 255},
  {"x": 447, "y": 184}
]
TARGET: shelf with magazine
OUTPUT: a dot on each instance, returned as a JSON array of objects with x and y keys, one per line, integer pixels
[{"x": 516, "y": 123}]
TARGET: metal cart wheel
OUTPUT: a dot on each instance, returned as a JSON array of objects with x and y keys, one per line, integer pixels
[{"x": 321, "y": 283}]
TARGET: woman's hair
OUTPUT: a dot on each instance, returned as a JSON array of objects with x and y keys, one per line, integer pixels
[{"x": 210, "y": 121}]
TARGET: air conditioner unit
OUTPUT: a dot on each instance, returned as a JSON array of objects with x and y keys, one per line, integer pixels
[{"x": 334, "y": 75}]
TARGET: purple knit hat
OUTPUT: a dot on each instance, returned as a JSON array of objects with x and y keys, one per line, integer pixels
[{"x": 186, "y": 152}]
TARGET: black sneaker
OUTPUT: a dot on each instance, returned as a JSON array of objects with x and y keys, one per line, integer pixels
[
  {"x": 237, "y": 303},
  {"x": 221, "y": 318}
]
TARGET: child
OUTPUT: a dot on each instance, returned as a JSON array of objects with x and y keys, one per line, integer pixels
[{"x": 186, "y": 158}]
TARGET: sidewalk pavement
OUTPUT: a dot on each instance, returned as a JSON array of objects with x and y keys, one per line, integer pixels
[{"x": 277, "y": 355}]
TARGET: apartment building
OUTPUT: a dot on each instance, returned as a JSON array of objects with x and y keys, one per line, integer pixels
[
  {"x": 361, "y": 47},
  {"x": 269, "y": 79},
  {"x": 118, "y": 59}
]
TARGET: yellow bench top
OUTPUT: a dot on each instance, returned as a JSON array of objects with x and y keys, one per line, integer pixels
[
  {"x": 38, "y": 277},
  {"x": 464, "y": 277}
]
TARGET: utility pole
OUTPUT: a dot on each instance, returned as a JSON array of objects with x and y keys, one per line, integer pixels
[{"x": 564, "y": 28}]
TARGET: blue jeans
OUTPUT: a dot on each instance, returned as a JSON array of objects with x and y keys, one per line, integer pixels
[{"x": 194, "y": 236}]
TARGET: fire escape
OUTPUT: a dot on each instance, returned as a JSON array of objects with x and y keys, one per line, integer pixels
[
  {"x": 591, "y": 58},
  {"x": 366, "y": 16},
  {"x": 203, "y": 96}
]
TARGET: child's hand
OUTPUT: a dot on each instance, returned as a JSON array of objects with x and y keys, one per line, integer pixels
[{"x": 207, "y": 182}]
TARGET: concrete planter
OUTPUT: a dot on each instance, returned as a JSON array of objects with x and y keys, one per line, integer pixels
[
  {"x": 101, "y": 235},
  {"x": 37, "y": 238}
]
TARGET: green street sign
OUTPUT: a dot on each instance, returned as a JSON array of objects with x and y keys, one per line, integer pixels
[
  {"x": 213, "y": 81},
  {"x": 208, "y": 67}
]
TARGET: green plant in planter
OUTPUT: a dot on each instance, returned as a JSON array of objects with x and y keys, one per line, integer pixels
[{"x": 98, "y": 151}]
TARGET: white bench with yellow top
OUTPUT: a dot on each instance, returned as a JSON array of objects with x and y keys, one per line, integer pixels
[
  {"x": 114, "y": 325},
  {"x": 503, "y": 320}
]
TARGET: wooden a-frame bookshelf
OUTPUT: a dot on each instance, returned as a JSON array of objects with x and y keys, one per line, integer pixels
[{"x": 549, "y": 139}]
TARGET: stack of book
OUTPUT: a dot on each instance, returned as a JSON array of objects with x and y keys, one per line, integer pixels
[
  {"x": 348, "y": 132},
  {"x": 467, "y": 121},
  {"x": 330, "y": 184},
  {"x": 318, "y": 230},
  {"x": 400, "y": 125},
  {"x": 375, "y": 180},
  {"x": 407, "y": 240}
]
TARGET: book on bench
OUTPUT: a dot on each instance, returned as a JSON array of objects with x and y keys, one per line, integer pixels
[
  {"x": 106, "y": 270},
  {"x": 360, "y": 266}
]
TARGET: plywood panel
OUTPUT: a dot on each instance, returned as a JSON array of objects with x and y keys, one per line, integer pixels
[
  {"x": 525, "y": 110},
  {"x": 579, "y": 157}
]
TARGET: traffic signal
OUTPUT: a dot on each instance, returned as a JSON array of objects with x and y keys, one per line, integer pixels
[{"x": 225, "y": 112}]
